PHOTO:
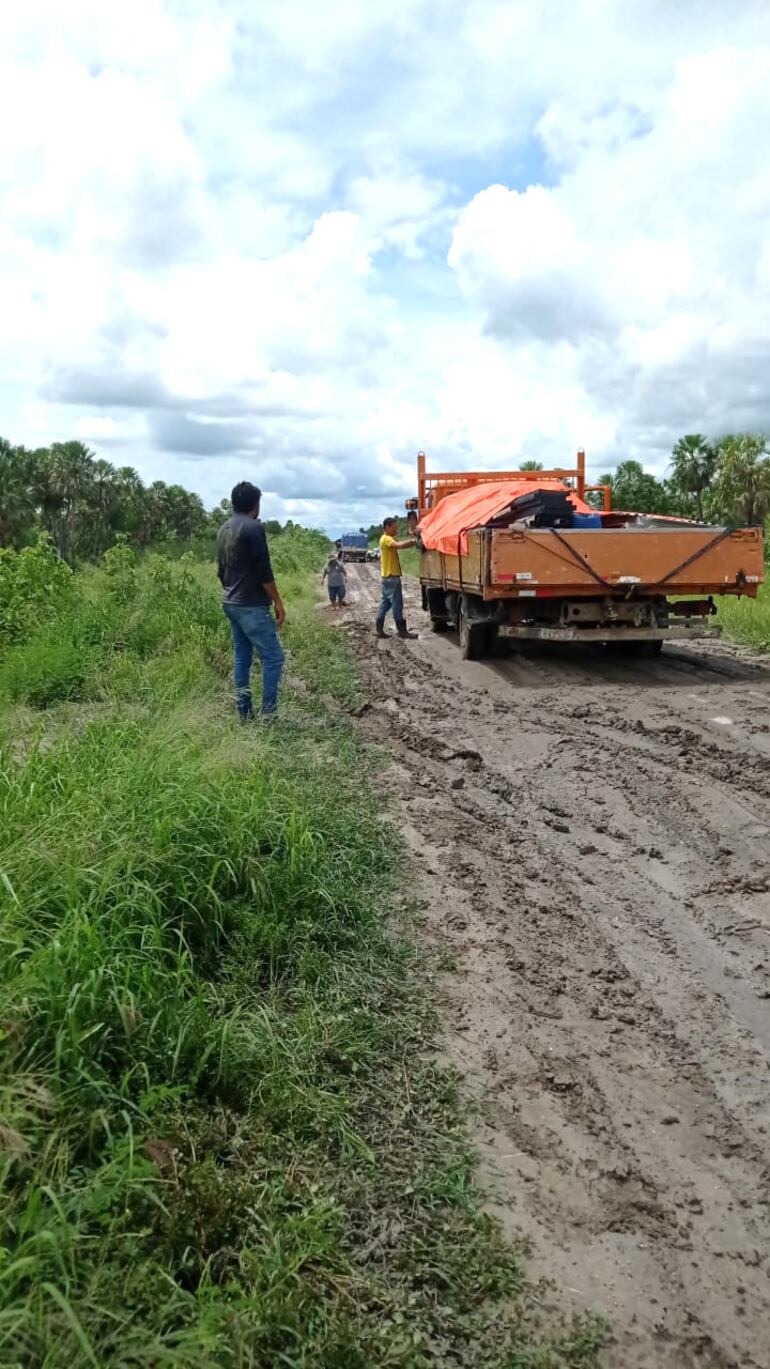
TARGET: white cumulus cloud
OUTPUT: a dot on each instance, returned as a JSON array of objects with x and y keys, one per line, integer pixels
[{"x": 299, "y": 242}]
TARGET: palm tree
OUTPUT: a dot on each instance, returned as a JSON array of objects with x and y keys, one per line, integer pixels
[
  {"x": 636, "y": 489},
  {"x": 103, "y": 505},
  {"x": 220, "y": 515},
  {"x": 17, "y": 503},
  {"x": 129, "y": 496},
  {"x": 65, "y": 472},
  {"x": 693, "y": 461},
  {"x": 741, "y": 487},
  {"x": 185, "y": 514},
  {"x": 158, "y": 510},
  {"x": 530, "y": 465}
]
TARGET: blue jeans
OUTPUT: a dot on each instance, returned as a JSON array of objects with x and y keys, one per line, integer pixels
[
  {"x": 392, "y": 598},
  {"x": 254, "y": 630}
]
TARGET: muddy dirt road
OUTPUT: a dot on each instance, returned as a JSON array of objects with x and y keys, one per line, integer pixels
[{"x": 592, "y": 844}]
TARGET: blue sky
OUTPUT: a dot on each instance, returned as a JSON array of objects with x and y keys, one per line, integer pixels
[{"x": 298, "y": 243}]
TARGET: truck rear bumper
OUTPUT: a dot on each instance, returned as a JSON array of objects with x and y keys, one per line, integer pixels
[{"x": 680, "y": 633}]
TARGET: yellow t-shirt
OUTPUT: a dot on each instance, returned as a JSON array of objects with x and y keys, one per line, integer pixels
[{"x": 389, "y": 562}]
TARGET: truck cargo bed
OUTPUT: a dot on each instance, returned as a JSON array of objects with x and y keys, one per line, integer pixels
[
  {"x": 676, "y": 560},
  {"x": 533, "y": 563}
]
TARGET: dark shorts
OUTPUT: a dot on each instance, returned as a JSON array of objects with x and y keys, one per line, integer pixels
[{"x": 336, "y": 594}]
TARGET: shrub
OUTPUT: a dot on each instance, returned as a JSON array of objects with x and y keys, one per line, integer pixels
[
  {"x": 45, "y": 671},
  {"x": 119, "y": 564},
  {"x": 36, "y": 586}
]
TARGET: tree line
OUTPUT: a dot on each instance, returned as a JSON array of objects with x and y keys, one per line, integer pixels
[
  {"x": 86, "y": 504},
  {"x": 723, "y": 481}
]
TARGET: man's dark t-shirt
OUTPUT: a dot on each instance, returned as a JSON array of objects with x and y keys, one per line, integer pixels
[{"x": 243, "y": 561}]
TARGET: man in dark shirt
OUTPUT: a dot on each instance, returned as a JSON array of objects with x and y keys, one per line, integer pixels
[{"x": 243, "y": 567}]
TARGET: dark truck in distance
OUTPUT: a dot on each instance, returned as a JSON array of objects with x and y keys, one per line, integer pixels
[{"x": 353, "y": 546}]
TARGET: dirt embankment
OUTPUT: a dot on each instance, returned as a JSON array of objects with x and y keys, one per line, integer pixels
[{"x": 591, "y": 840}]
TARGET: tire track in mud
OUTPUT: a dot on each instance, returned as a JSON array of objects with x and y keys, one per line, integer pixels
[{"x": 590, "y": 839}]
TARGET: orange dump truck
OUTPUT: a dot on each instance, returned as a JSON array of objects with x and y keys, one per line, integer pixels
[{"x": 520, "y": 554}]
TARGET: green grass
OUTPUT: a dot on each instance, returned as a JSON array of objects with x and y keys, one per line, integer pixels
[
  {"x": 748, "y": 620},
  {"x": 224, "y": 1139},
  {"x": 410, "y": 561}
]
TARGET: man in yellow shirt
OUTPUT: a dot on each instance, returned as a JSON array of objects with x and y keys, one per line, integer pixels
[{"x": 390, "y": 570}]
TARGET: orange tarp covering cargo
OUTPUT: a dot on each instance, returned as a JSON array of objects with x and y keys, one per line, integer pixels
[{"x": 443, "y": 527}]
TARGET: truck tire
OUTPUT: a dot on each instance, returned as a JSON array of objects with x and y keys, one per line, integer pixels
[
  {"x": 434, "y": 601},
  {"x": 473, "y": 636}
]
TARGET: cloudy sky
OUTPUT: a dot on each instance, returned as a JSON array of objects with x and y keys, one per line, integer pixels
[{"x": 297, "y": 241}]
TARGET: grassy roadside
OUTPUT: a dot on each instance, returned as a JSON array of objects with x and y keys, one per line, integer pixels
[
  {"x": 224, "y": 1140},
  {"x": 748, "y": 620},
  {"x": 410, "y": 561}
]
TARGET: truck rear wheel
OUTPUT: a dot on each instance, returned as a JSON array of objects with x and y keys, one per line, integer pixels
[{"x": 473, "y": 636}]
